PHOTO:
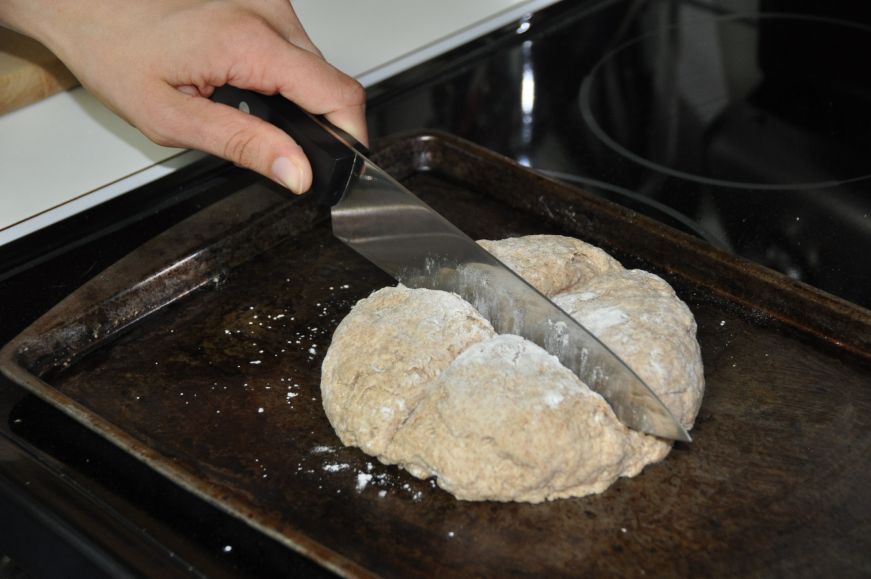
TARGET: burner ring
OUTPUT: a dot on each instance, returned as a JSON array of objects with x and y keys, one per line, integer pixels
[{"x": 587, "y": 105}]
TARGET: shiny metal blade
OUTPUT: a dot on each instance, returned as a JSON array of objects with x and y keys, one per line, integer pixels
[{"x": 402, "y": 235}]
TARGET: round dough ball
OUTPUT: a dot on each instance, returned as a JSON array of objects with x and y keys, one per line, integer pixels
[
  {"x": 419, "y": 379},
  {"x": 384, "y": 356}
]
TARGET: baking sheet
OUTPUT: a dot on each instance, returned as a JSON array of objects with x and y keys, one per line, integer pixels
[{"x": 200, "y": 355}]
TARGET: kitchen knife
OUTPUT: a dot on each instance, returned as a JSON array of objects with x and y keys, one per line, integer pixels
[{"x": 392, "y": 228}]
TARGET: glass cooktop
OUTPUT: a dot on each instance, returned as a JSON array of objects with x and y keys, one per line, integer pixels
[{"x": 747, "y": 123}]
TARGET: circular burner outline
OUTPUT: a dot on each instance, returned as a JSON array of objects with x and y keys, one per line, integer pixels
[
  {"x": 671, "y": 212},
  {"x": 589, "y": 118}
]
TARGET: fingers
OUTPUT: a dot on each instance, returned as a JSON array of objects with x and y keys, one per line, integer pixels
[
  {"x": 195, "y": 122},
  {"x": 320, "y": 88},
  {"x": 270, "y": 64},
  {"x": 189, "y": 89},
  {"x": 353, "y": 121}
]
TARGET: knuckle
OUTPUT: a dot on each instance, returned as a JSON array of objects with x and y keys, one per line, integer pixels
[
  {"x": 249, "y": 25},
  {"x": 353, "y": 92},
  {"x": 163, "y": 140},
  {"x": 241, "y": 148},
  {"x": 240, "y": 26},
  {"x": 159, "y": 132}
]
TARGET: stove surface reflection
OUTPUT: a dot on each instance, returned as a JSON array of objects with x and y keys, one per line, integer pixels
[{"x": 730, "y": 125}]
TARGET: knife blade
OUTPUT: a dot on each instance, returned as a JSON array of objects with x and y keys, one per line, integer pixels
[{"x": 391, "y": 227}]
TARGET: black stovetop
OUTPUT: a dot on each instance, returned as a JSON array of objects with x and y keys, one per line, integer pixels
[{"x": 749, "y": 129}]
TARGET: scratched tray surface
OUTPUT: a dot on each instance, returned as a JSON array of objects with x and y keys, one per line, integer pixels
[{"x": 220, "y": 391}]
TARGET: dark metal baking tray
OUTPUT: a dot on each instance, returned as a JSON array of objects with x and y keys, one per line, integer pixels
[{"x": 199, "y": 354}]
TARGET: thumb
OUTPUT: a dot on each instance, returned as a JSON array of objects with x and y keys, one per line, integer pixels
[{"x": 196, "y": 122}]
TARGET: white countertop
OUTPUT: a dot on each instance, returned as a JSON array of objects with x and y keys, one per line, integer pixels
[{"x": 68, "y": 153}]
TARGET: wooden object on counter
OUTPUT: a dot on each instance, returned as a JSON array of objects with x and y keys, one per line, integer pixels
[{"x": 29, "y": 71}]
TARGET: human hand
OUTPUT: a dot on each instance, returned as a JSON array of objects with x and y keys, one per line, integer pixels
[{"x": 156, "y": 62}]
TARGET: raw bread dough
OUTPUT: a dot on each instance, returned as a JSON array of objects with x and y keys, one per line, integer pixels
[{"x": 420, "y": 379}]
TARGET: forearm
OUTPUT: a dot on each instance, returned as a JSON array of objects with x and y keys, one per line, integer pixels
[{"x": 71, "y": 29}]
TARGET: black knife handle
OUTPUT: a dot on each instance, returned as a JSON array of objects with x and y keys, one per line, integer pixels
[{"x": 330, "y": 150}]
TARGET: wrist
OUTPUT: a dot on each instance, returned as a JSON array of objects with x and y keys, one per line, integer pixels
[
  {"x": 21, "y": 16},
  {"x": 42, "y": 20}
]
